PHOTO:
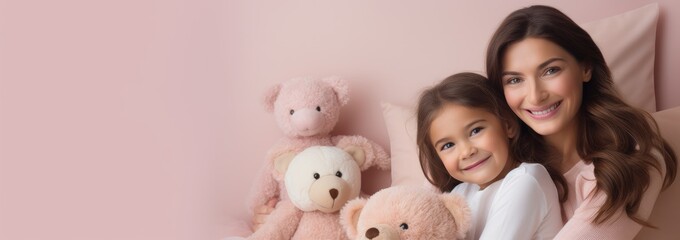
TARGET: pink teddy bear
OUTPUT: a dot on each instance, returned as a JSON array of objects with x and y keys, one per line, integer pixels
[
  {"x": 407, "y": 212},
  {"x": 306, "y": 110}
]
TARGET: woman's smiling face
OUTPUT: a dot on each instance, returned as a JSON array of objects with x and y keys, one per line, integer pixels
[{"x": 543, "y": 85}]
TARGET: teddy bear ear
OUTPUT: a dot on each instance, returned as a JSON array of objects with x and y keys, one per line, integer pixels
[
  {"x": 340, "y": 87},
  {"x": 357, "y": 153},
  {"x": 282, "y": 161},
  {"x": 349, "y": 216},
  {"x": 460, "y": 211},
  {"x": 270, "y": 97}
]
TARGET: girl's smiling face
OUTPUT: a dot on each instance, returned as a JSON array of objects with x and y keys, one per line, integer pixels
[{"x": 472, "y": 143}]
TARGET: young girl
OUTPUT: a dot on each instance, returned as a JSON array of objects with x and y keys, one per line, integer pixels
[
  {"x": 464, "y": 133},
  {"x": 555, "y": 79}
]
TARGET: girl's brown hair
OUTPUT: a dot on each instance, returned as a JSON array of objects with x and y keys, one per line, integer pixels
[
  {"x": 618, "y": 139},
  {"x": 470, "y": 90}
]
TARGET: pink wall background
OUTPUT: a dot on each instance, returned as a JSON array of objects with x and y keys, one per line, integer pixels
[{"x": 143, "y": 119}]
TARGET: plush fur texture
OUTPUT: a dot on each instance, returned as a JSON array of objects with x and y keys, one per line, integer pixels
[
  {"x": 407, "y": 212},
  {"x": 319, "y": 181},
  {"x": 315, "y": 171},
  {"x": 306, "y": 110}
]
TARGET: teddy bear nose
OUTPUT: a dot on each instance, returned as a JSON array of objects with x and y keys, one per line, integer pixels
[
  {"x": 334, "y": 193},
  {"x": 372, "y": 233},
  {"x": 307, "y": 119}
]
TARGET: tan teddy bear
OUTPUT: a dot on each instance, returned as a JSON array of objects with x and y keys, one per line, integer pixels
[{"x": 407, "y": 212}]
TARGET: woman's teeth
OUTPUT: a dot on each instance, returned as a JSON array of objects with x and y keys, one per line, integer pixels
[{"x": 544, "y": 112}]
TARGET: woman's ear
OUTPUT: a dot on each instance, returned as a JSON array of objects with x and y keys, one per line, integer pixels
[
  {"x": 587, "y": 71},
  {"x": 511, "y": 127}
]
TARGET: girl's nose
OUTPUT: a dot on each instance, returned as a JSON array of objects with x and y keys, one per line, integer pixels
[{"x": 467, "y": 150}]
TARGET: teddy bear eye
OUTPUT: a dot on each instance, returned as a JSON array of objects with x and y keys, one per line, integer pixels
[
  {"x": 403, "y": 226},
  {"x": 318, "y": 108},
  {"x": 338, "y": 174},
  {"x": 316, "y": 176},
  {"x": 292, "y": 111}
]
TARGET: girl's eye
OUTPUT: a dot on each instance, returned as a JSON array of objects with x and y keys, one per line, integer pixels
[
  {"x": 447, "y": 146},
  {"x": 475, "y": 131}
]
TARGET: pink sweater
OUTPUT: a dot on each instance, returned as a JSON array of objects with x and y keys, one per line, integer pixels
[{"x": 581, "y": 207}]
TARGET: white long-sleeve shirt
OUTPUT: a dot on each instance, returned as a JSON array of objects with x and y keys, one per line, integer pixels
[{"x": 523, "y": 205}]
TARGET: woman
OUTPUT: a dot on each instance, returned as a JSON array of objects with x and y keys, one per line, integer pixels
[{"x": 555, "y": 79}]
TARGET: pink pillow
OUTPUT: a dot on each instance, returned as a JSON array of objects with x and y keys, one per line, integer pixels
[
  {"x": 666, "y": 211},
  {"x": 401, "y": 127},
  {"x": 627, "y": 42}
]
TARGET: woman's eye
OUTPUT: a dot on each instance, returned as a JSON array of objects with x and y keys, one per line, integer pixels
[
  {"x": 447, "y": 146},
  {"x": 512, "y": 80},
  {"x": 552, "y": 71},
  {"x": 475, "y": 131}
]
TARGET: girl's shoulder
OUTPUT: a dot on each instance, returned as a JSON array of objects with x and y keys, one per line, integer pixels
[
  {"x": 531, "y": 175},
  {"x": 529, "y": 169}
]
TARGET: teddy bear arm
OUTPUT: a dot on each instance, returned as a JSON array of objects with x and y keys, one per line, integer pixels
[
  {"x": 375, "y": 155},
  {"x": 265, "y": 188},
  {"x": 281, "y": 224},
  {"x": 460, "y": 211},
  {"x": 267, "y": 183}
]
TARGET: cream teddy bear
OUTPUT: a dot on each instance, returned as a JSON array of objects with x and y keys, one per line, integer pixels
[{"x": 319, "y": 181}]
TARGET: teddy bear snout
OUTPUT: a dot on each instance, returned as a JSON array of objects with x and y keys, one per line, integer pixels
[
  {"x": 330, "y": 193},
  {"x": 372, "y": 233},
  {"x": 334, "y": 193},
  {"x": 308, "y": 121}
]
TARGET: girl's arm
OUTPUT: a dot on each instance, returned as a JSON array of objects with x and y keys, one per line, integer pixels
[
  {"x": 525, "y": 207},
  {"x": 619, "y": 226}
]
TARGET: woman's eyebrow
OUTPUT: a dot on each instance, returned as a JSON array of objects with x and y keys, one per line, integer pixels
[
  {"x": 548, "y": 62},
  {"x": 510, "y": 73},
  {"x": 540, "y": 66}
]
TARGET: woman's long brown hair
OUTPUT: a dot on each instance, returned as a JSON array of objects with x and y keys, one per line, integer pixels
[
  {"x": 470, "y": 90},
  {"x": 616, "y": 137}
]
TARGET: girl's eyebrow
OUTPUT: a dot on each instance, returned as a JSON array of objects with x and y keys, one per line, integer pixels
[
  {"x": 473, "y": 123},
  {"x": 540, "y": 66}
]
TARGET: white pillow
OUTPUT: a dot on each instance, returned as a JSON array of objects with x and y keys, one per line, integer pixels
[{"x": 627, "y": 41}]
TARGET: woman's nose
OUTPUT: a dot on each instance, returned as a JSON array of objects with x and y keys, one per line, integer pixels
[{"x": 537, "y": 93}]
